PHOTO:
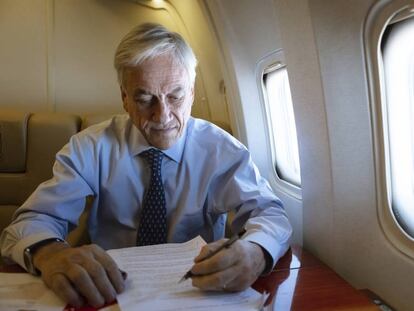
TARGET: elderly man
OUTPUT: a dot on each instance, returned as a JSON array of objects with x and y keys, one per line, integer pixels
[{"x": 157, "y": 176}]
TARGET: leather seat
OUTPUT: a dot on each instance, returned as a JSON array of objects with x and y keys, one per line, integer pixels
[{"x": 28, "y": 144}]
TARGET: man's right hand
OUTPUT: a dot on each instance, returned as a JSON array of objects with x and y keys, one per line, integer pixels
[{"x": 81, "y": 275}]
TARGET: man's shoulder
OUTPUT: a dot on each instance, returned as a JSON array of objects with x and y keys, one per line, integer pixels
[
  {"x": 114, "y": 127},
  {"x": 209, "y": 134},
  {"x": 104, "y": 141},
  {"x": 206, "y": 129}
]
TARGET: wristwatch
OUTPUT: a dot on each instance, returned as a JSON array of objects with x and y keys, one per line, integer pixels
[{"x": 29, "y": 251}]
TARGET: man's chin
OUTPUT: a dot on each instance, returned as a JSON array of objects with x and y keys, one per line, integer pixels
[
  {"x": 163, "y": 143},
  {"x": 163, "y": 139}
]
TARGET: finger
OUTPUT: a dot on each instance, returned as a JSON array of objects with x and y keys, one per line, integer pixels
[
  {"x": 241, "y": 280},
  {"x": 115, "y": 275},
  {"x": 85, "y": 286},
  {"x": 216, "y": 281},
  {"x": 65, "y": 291},
  {"x": 101, "y": 281},
  {"x": 220, "y": 261},
  {"x": 208, "y": 249}
]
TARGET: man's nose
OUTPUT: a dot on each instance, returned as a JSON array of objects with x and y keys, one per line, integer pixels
[{"x": 162, "y": 112}]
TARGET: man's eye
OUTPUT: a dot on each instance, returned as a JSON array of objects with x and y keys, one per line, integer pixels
[
  {"x": 144, "y": 100},
  {"x": 175, "y": 98}
]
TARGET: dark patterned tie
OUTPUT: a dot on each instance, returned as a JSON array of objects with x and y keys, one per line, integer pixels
[{"x": 153, "y": 225}]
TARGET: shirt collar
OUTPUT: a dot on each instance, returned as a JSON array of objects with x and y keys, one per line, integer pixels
[{"x": 138, "y": 144}]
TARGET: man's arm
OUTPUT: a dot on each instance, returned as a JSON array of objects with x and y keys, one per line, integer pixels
[
  {"x": 55, "y": 206},
  {"x": 77, "y": 275},
  {"x": 260, "y": 213}
]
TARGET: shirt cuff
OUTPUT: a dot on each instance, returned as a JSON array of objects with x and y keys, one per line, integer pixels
[
  {"x": 275, "y": 249},
  {"x": 21, "y": 245}
]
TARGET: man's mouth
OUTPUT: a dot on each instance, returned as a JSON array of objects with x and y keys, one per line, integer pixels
[{"x": 164, "y": 129}]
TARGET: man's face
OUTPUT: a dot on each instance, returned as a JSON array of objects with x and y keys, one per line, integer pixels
[{"x": 158, "y": 96}]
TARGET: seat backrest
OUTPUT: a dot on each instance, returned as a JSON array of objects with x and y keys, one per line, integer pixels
[{"x": 28, "y": 145}]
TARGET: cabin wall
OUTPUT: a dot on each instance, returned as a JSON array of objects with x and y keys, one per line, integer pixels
[
  {"x": 362, "y": 252},
  {"x": 23, "y": 50},
  {"x": 57, "y": 55},
  {"x": 337, "y": 215}
]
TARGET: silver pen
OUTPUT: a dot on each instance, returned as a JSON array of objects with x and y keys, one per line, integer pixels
[{"x": 226, "y": 244}]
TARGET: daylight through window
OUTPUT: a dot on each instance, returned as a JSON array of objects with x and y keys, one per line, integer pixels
[
  {"x": 282, "y": 124},
  {"x": 398, "y": 115}
]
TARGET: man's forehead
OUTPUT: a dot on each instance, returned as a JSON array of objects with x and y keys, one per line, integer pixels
[
  {"x": 156, "y": 70},
  {"x": 173, "y": 90},
  {"x": 164, "y": 77}
]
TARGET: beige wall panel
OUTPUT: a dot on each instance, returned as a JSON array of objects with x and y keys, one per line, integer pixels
[
  {"x": 23, "y": 73},
  {"x": 310, "y": 116},
  {"x": 86, "y": 36}
]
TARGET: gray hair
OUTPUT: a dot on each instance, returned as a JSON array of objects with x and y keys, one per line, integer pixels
[{"x": 148, "y": 41}]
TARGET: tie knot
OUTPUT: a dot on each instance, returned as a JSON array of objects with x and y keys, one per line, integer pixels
[{"x": 154, "y": 158}]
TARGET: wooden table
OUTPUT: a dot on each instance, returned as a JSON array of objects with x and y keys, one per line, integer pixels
[{"x": 300, "y": 282}]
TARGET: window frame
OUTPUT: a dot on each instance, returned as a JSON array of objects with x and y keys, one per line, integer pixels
[
  {"x": 380, "y": 16},
  {"x": 274, "y": 59}
]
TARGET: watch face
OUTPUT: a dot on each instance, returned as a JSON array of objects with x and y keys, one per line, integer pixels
[{"x": 28, "y": 261}]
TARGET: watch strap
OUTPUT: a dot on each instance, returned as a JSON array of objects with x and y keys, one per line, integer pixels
[{"x": 30, "y": 250}]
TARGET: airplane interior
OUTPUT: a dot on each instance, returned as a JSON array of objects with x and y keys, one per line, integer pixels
[{"x": 321, "y": 92}]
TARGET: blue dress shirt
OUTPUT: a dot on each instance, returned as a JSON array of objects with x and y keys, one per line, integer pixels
[{"x": 206, "y": 174}]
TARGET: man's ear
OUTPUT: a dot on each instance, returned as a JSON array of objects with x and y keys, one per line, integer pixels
[
  {"x": 192, "y": 95},
  {"x": 124, "y": 98}
]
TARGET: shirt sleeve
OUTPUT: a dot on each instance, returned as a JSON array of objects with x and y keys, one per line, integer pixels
[
  {"x": 242, "y": 189},
  {"x": 55, "y": 206}
]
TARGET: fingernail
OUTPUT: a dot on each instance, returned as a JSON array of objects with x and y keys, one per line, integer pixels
[{"x": 124, "y": 274}]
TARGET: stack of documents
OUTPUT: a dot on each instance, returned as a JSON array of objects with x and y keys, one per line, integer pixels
[
  {"x": 152, "y": 284},
  {"x": 153, "y": 275}
]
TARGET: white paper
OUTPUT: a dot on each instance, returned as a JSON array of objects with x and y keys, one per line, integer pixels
[
  {"x": 22, "y": 291},
  {"x": 153, "y": 275}
]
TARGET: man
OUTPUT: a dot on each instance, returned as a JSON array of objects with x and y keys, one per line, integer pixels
[{"x": 157, "y": 176}]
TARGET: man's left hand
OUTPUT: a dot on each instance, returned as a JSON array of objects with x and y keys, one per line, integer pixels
[{"x": 231, "y": 269}]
